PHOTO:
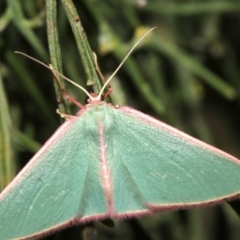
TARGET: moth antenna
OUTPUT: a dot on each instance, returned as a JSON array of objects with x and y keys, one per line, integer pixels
[
  {"x": 120, "y": 65},
  {"x": 56, "y": 72}
]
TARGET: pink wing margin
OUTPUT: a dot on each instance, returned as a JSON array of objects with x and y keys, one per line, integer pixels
[
  {"x": 173, "y": 131},
  {"x": 59, "y": 133}
]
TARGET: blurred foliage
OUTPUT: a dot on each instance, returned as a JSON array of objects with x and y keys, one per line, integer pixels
[{"x": 186, "y": 74}]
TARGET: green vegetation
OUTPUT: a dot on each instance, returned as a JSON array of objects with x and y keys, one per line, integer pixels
[{"x": 186, "y": 73}]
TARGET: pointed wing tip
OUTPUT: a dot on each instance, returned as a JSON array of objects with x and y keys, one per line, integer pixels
[
  {"x": 151, "y": 209},
  {"x": 178, "y": 133}
]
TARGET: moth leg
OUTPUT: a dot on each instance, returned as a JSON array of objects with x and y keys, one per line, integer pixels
[
  {"x": 64, "y": 115},
  {"x": 109, "y": 91},
  {"x": 71, "y": 99},
  {"x": 101, "y": 76}
]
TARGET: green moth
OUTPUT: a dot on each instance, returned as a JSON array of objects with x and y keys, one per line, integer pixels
[{"x": 113, "y": 162}]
